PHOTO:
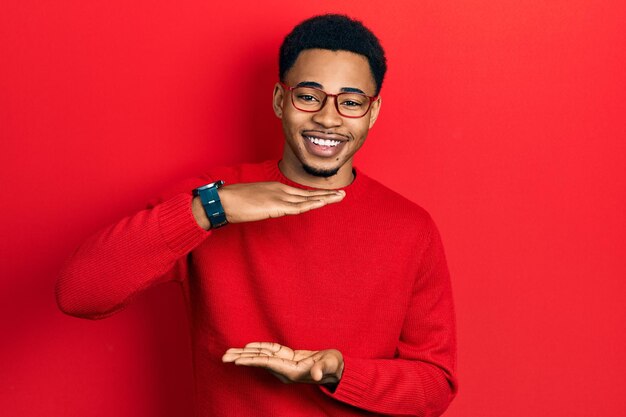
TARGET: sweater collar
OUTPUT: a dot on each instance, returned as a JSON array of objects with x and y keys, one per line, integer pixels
[{"x": 355, "y": 188}]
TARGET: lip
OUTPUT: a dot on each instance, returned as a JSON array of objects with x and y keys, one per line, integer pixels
[
  {"x": 320, "y": 150},
  {"x": 325, "y": 135}
]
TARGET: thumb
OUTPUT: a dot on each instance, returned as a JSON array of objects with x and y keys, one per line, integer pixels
[
  {"x": 327, "y": 365},
  {"x": 318, "y": 370}
]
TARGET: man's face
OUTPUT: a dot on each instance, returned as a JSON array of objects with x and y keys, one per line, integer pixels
[{"x": 307, "y": 135}]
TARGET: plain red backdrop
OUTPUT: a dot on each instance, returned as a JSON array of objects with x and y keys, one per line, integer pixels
[{"x": 505, "y": 119}]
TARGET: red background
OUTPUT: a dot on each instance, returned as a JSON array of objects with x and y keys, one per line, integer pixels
[{"x": 505, "y": 119}]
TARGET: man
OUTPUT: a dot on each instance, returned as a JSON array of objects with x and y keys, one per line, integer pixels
[{"x": 304, "y": 267}]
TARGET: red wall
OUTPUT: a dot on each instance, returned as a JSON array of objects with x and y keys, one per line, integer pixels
[{"x": 505, "y": 119}]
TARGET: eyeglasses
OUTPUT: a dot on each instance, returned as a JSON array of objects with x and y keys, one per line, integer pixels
[{"x": 311, "y": 100}]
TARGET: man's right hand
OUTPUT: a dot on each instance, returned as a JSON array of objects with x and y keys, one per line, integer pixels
[{"x": 247, "y": 202}]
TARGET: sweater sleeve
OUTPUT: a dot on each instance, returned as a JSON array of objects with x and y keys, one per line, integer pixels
[
  {"x": 420, "y": 380},
  {"x": 117, "y": 263}
]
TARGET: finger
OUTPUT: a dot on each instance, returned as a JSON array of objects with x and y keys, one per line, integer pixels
[
  {"x": 229, "y": 357},
  {"x": 329, "y": 198},
  {"x": 232, "y": 354},
  {"x": 256, "y": 361},
  {"x": 251, "y": 355},
  {"x": 235, "y": 350},
  {"x": 293, "y": 198},
  {"x": 303, "y": 207},
  {"x": 299, "y": 208},
  {"x": 311, "y": 193},
  {"x": 259, "y": 351},
  {"x": 274, "y": 347},
  {"x": 333, "y": 197},
  {"x": 280, "y": 365},
  {"x": 297, "y": 198}
]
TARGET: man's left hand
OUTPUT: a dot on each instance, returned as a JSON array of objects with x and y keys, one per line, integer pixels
[{"x": 288, "y": 365}]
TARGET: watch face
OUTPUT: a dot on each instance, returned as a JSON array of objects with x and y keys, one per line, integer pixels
[{"x": 216, "y": 184}]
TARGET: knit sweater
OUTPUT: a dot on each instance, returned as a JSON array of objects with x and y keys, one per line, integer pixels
[{"x": 366, "y": 276}]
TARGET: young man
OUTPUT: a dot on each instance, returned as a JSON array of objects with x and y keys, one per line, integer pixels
[{"x": 304, "y": 267}]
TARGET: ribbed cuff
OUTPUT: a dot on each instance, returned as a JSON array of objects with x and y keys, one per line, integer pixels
[
  {"x": 178, "y": 226},
  {"x": 354, "y": 382}
]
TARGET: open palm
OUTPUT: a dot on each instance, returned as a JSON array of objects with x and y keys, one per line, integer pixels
[{"x": 288, "y": 365}]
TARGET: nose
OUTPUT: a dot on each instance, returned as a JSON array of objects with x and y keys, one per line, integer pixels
[{"x": 328, "y": 116}]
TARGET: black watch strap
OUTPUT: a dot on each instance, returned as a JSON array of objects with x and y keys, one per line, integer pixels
[{"x": 211, "y": 202}]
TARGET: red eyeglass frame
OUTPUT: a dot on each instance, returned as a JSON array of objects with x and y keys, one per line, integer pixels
[{"x": 290, "y": 89}]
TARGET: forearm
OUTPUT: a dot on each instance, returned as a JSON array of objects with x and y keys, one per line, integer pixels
[
  {"x": 127, "y": 257},
  {"x": 395, "y": 387},
  {"x": 115, "y": 264}
]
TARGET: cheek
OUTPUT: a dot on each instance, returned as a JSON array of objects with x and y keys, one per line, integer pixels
[
  {"x": 293, "y": 120},
  {"x": 359, "y": 130}
]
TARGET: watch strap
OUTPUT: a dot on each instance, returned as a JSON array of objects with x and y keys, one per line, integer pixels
[{"x": 211, "y": 203}]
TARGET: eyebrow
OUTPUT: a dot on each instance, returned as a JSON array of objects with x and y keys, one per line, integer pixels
[{"x": 321, "y": 87}]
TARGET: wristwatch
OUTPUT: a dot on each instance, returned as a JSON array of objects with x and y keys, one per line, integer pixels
[{"x": 211, "y": 203}]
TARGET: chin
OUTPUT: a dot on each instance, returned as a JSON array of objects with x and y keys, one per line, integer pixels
[{"x": 320, "y": 172}]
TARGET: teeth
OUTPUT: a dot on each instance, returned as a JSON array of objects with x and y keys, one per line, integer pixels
[{"x": 324, "y": 142}]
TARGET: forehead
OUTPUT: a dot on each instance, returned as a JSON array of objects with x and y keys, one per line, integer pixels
[{"x": 334, "y": 70}]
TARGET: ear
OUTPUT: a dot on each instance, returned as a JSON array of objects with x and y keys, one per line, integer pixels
[
  {"x": 277, "y": 102},
  {"x": 375, "y": 110}
]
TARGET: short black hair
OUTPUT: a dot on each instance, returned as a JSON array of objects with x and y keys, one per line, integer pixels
[{"x": 334, "y": 32}]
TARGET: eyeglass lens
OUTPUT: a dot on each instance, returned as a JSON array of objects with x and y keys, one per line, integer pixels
[{"x": 348, "y": 104}]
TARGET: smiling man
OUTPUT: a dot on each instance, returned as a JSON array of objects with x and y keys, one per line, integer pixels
[{"x": 303, "y": 270}]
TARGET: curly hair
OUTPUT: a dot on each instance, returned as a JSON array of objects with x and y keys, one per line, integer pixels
[{"x": 334, "y": 32}]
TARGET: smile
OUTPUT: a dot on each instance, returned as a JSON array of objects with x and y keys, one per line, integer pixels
[{"x": 323, "y": 142}]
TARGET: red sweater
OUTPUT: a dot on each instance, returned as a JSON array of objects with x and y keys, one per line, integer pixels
[{"x": 366, "y": 276}]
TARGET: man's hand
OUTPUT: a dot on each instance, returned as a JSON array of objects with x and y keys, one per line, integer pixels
[
  {"x": 288, "y": 365},
  {"x": 247, "y": 202}
]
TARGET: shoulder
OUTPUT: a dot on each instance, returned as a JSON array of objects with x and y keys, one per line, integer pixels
[
  {"x": 384, "y": 197},
  {"x": 394, "y": 208}
]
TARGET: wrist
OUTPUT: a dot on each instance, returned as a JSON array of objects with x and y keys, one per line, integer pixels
[
  {"x": 212, "y": 206},
  {"x": 199, "y": 213}
]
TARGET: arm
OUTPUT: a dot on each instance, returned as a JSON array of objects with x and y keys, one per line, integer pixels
[
  {"x": 418, "y": 381},
  {"x": 114, "y": 265},
  {"x": 139, "y": 251}
]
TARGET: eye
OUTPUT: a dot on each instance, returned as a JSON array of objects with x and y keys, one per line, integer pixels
[
  {"x": 351, "y": 103},
  {"x": 307, "y": 98}
]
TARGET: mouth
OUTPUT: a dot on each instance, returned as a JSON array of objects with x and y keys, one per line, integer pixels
[{"x": 322, "y": 144}]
